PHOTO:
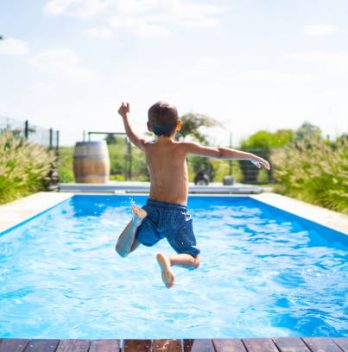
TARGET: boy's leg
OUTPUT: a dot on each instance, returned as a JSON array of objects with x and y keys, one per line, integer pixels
[
  {"x": 183, "y": 260},
  {"x": 126, "y": 243}
]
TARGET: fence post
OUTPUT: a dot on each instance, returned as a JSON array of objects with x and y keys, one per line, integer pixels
[
  {"x": 57, "y": 143},
  {"x": 26, "y": 129},
  {"x": 51, "y": 138},
  {"x": 130, "y": 159}
]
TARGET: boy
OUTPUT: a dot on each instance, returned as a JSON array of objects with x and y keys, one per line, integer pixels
[{"x": 166, "y": 214}]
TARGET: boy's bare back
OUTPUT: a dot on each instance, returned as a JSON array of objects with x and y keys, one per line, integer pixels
[{"x": 166, "y": 162}]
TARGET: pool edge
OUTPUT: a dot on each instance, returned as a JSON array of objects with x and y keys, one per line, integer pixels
[
  {"x": 19, "y": 212},
  {"x": 324, "y": 217}
]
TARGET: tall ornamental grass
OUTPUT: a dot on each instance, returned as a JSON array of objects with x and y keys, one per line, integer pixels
[
  {"x": 23, "y": 167},
  {"x": 315, "y": 171}
]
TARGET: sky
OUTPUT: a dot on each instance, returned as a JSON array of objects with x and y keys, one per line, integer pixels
[{"x": 250, "y": 64}]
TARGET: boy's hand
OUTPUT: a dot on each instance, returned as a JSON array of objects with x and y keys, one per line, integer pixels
[
  {"x": 259, "y": 162},
  {"x": 124, "y": 109}
]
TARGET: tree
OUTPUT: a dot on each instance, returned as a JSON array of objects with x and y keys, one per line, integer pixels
[
  {"x": 307, "y": 130},
  {"x": 192, "y": 123}
]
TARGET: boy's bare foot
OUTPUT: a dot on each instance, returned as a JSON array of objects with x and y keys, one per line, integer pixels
[
  {"x": 138, "y": 214},
  {"x": 167, "y": 274}
]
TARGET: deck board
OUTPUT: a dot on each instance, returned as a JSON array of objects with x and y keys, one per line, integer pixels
[
  {"x": 321, "y": 344},
  {"x": 342, "y": 342},
  {"x": 290, "y": 344},
  {"x": 260, "y": 345},
  {"x": 167, "y": 346},
  {"x": 13, "y": 345},
  {"x": 104, "y": 346},
  {"x": 199, "y": 345},
  {"x": 137, "y": 346},
  {"x": 279, "y": 344},
  {"x": 42, "y": 346},
  {"x": 228, "y": 345},
  {"x": 73, "y": 346}
]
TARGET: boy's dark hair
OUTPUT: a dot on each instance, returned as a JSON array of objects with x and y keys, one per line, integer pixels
[{"x": 163, "y": 118}]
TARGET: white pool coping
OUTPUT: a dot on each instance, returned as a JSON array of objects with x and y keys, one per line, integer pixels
[
  {"x": 114, "y": 187},
  {"x": 21, "y": 210},
  {"x": 12, "y": 214},
  {"x": 322, "y": 216}
]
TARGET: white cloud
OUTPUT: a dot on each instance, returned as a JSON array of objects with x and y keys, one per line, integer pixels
[
  {"x": 158, "y": 17},
  {"x": 11, "y": 46},
  {"x": 140, "y": 17},
  {"x": 276, "y": 76},
  {"x": 139, "y": 26},
  {"x": 317, "y": 30},
  {"x": 337, "y": 60},
  {"x": 99, "y": 33},
  {"x": 62, "y": 62},
  {"x": 79, "y": 8}
]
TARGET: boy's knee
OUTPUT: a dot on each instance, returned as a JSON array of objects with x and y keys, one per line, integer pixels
[
  {"x": 120, "y": 252},
  {"x": 197, "y": 262}
]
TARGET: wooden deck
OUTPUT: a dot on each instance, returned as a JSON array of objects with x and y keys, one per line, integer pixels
[{"x": 281, "y": 344}]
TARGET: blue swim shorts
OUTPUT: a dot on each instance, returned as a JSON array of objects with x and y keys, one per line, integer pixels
[{"x": 170, "y": 221}]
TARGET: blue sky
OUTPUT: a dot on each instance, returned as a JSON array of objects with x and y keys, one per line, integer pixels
[{"x": 250, "y": 64}]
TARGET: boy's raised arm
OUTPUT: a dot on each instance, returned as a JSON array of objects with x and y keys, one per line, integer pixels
[
  {"x": 135, "y": 139},
  {"x": 225, "y": 153}
]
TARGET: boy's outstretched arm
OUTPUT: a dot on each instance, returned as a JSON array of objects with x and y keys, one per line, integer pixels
[
  {"x": 225, "y": 153},
  {"x": 135, "y": 139}
]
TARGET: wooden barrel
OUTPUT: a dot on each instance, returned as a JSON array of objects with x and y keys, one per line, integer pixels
[{"x": 91, "y": 162}]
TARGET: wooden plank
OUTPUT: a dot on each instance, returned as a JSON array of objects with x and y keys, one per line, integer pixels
[
  {"x": 290, "y": 344},
  {"x": 13, "y": 345},
  {"x": 137, "y": 345},
  {"x": 104, "y": 346},
  {"x": 260, "y": 345},
  {"x": 342, "y": 342},
  {"x": 167, "y": 346},
  {"x": 73, "y": 346},
  {"x": 321, "y": 344},
  {"x": 199, "y": 345},
  {"x": 228, "y": 345},
  {"x": 42, "y": 346},
  {"x": 187, "y": 343}
]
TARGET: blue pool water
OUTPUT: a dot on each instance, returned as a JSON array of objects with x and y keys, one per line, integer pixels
[{"x": 264, "y": 273}]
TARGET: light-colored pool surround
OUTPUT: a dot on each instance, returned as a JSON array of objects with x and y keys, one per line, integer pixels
[{"x": 22, "y": 210}]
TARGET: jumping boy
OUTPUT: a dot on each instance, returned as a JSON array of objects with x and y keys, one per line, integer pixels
[{"x": 165, "y": 215}]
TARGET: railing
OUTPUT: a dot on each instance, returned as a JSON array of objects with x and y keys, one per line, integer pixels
[{"x": 35, "y": 134}]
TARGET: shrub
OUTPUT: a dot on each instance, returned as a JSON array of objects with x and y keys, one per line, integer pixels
[
  {"x": 23, "y": 167},
  {"x": 313, "y": 170},
  {"x": 65, "y": 165}
]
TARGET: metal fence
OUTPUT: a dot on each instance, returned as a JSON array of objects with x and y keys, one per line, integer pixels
[{"x": 47, "y": 137}]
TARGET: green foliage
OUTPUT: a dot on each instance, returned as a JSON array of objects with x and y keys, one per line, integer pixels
[
  {"x": 23, "y": 167},
  {"x": 261, "y": 143},
  {"x": 267, "y": 140},
  {"x": 65, "y": 165},
  {"x": 315, "y": 171}
]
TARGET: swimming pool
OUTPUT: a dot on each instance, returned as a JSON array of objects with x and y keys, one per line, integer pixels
[{"x": 264, "y": 272}]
